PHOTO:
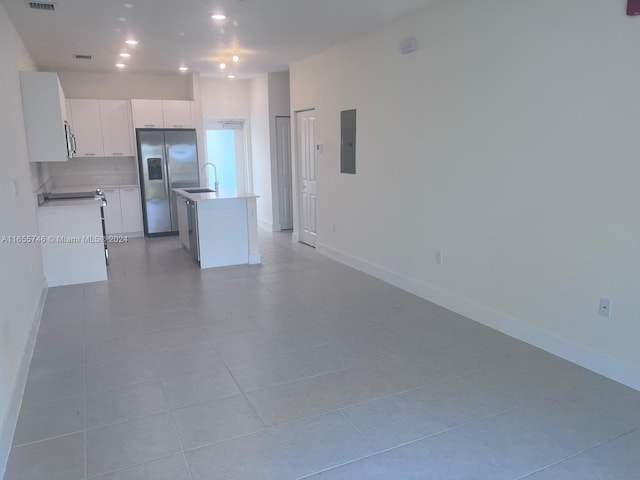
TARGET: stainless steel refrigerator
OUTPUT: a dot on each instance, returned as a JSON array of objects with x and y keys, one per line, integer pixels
[{"x": 167, "y": 159}]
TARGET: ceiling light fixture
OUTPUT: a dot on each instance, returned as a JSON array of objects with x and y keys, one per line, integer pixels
[
  {"x": 120, "y": 65},
  {"x": 231, "y": 76},
  {"x": 218, "y": 16},
  {"x": 223, "y": 66},
  {"x": 183, "y": 69},
  {"x": 132, "y": 42},
  {"x": 128, "y": 5},
  {"x": 235, "y": 58},
  {"x": 125, "y": 55}
]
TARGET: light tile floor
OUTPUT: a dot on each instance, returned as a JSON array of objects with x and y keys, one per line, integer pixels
[{"x": 299, "y": 368}]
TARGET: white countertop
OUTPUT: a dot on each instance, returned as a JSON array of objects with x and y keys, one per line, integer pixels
[
  {"x": 220, "y": 195},
  {"x": 89, "y": 187},
  {"x": 80, "y": 202}
]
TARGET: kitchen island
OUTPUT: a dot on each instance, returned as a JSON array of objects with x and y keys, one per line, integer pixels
[{"x": 219, "y": 229}]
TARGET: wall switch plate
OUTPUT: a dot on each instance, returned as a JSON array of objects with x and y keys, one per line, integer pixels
[
  {"x": 439, "y": 258},
  {"x": 605, "y": 307}
]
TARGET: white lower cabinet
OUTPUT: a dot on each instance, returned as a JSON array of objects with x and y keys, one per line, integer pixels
[
  {"x": 183, "y": 220},
  {"x": 112, "y": 212},
  {"x": 123, "y": 213},
  {"x": 131, "y": 210}
]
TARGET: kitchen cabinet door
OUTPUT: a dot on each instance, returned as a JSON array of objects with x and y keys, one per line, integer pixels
[
  {"x": 183, "y": 221},
  {"x": 117, "y": 128},
  {"x": 43, "y": 104},
  {"x": 87, "y": 127},
  {"x": 178, "y": 114},
  {"x": 112, "y": 212},
  {"x": 147, "y": 113},
  {"x": 130, "y": 205}
]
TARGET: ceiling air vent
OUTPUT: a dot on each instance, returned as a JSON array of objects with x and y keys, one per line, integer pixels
[
  {"x": 78, "y": 56},
  {"x": 47, "y": 6}
]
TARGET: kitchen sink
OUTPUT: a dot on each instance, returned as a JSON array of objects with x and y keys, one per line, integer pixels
[{"x": 199, "y": 190}]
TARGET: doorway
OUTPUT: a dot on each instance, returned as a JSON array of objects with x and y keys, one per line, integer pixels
[
  {"x": 284, "y": 177},
  {"x": 306, "y": 166},
  {"x": 225, "y": 146}
]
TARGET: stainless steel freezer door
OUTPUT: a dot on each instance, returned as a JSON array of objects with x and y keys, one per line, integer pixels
[
  {"x": 156, "y": 198},
  {"x": 182, "y": 161}
]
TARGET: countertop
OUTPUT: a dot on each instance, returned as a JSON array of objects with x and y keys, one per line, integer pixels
[
  {"x": 80, "y": 202},
  {"x": 221, "y": 195},
  {"x": 89, "y": 187}
]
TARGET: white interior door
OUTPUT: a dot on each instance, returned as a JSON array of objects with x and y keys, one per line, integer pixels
[
  {"x": 306, "y": 153},
  {"x": 283, "y": 154}
]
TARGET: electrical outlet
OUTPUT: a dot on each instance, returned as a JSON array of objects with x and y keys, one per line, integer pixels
[
  {"x": 605, "y": 307},
  {"x": 333, "y": 226},
  {"x": 439, "y": 258}
]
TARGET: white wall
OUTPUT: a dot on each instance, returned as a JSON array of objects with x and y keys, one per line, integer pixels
[
  {"x": 261, "y": 149},
  {"x": 123, "y": 86},
  {"x": 224, "y": 99},
  {"x": 508, "y": 141},
  {"x": 21, "y": 276}
]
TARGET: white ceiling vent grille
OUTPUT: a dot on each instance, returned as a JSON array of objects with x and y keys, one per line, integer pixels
[
  {"x": 46, "y": 6},
  {"x": 79, "y": 56}
]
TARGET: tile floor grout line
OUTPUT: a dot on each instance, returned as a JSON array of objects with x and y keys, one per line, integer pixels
[
  {"x": 570, "y": 457},
  {"x": 27, "y": 444},
  {"x": 173, "y": 421},
  {"x": 110, "y": 472},
  {"x": 425, "y": 437}
]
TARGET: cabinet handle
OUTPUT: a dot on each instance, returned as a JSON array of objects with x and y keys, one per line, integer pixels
[
  {"x": 177, "y": 126},
  {"x": 149, "y": 125},
  {"x": 129, "y": 189},
  {"x": 89, "y": 154},
  {"x": 116, "y": 153}
]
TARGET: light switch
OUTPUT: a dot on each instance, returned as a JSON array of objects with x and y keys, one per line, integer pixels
[{"x": 14, "y": 185}]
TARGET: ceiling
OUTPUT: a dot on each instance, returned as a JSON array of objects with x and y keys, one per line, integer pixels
[{"x": 267, "y": 35}]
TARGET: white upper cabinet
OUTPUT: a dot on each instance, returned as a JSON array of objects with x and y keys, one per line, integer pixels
[
  {"x": 103, "y": 128},
  {"x": 87, "y": 126},
  {"x": 117, "y": 129},
  {"x": 147, "y": 113},
  {"x": 163, "y": 114},
  {"x": 45, "y": 114},
  {"x": 177, "y": 113}
]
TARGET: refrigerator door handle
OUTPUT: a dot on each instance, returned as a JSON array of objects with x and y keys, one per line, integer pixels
[
  {"x": 168, "y": 164},
  {"x": 167, "y": 173}
]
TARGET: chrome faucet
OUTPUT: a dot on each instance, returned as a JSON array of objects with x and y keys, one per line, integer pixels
[{"x": 215, "y": 171}]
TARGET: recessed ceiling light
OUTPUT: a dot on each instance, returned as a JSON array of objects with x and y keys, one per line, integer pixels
[
  {"x": 122, "y": 19},
  {"x": 125, "y": 55},
  {"x": 223, "y": 66},
  {"x": 183, "y": 69},
  {"x": 132, "y": 42},
  {"x": 235, "y": 58},
  {"x": 218, "y": 16},
  {"x": 128, "y": 5},
  {"x": 231, "y": 76},
  {"x": 120, "y": 65}
]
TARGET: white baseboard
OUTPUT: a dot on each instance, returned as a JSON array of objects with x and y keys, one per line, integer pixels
[
  {"x": 540, "y": 338},
  {"x": 266, "y": 225},
  {"x": 8, "y": 427},
  {"x": 295, "y": 239}
]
